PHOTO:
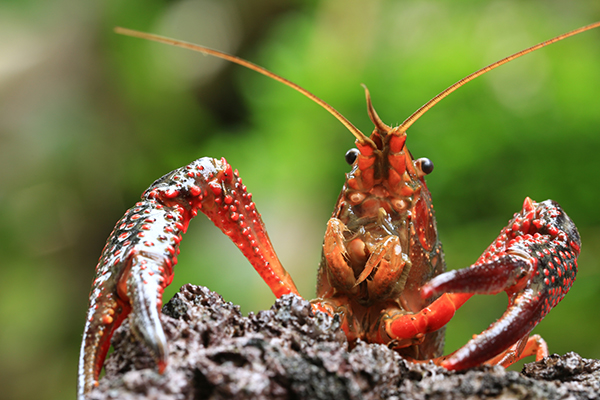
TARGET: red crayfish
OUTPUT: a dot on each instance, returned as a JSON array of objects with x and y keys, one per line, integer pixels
[{"x": 382, "y": 266}]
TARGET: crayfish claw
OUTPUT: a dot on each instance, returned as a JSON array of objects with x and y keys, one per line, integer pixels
[
  {"x": 533, "y": 260},
  {"x": 135, "y": 267},
  {"x": 138, "y": 259}
]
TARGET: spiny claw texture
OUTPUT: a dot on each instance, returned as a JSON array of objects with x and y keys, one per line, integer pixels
[
  {"x": 534, "y": 260},
  {"x": 138, "y": 259},
  {"x": 135, "y": 267}
]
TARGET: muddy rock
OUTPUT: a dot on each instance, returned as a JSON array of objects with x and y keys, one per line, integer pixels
[{"x": 289, "y": 353}]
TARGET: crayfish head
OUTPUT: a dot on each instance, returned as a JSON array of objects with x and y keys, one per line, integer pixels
[{"x": 384, "y": 174}]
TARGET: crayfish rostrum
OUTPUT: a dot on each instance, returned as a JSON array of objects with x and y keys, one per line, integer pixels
[{"x": 382, "y": 266}]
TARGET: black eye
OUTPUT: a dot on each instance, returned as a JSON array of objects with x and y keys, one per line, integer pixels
[
  {"x": 426, "y": 165},
  {"x": 351, "y": 156}
]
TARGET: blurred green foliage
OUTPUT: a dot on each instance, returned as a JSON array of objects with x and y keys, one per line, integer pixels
[{"x": 89, "y": 119}]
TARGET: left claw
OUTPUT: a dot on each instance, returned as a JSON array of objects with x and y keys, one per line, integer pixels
[
  {"x": 135, "y": 267},
  {"x": 137, "y": 261},
  {"x": 534, "y": 260}
]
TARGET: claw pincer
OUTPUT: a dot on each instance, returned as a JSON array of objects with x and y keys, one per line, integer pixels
[
  {"x": 135, "y": 267},
  {"x": 534, "y": 260},
  {"x": 138, "y": 259}
]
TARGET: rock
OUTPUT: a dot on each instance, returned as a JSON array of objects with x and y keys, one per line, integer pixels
[{"x": 287, "y": 353}]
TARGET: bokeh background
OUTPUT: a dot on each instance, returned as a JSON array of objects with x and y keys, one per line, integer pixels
[{"x": 89, "y": 119}]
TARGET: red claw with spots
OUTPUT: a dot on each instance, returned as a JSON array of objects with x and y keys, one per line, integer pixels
[
  {"x": 533, "y": 260},
  {"x": 138, "y": 259}
]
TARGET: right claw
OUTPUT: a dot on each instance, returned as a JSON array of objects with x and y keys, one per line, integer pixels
[{"x": 534, "y": 260}]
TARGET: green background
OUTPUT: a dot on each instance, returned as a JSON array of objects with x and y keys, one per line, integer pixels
[{"x": 89, "y": 119}]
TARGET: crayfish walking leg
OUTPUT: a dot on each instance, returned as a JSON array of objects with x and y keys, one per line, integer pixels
[{"x": 138, "y": 259}]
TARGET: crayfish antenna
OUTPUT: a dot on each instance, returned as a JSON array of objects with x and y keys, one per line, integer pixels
[
  {"x": 360, "y": 137},
  {"x": 427, "y": 106}
]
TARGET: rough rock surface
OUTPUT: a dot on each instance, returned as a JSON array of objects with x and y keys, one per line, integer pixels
[{"x": 287, "y": 353}]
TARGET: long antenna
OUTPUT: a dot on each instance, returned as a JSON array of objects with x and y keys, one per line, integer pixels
[
  {"x": 205, "y": 50},
  {"x": 417, "y": 114}
]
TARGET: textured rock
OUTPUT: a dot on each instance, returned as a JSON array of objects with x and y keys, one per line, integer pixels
[{"x": 287, "y": 353}]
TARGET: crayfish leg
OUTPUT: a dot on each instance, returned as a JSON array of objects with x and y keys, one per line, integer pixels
[
  {"x": 338, "y": 307},
  {"x": 408, "y": 328},
  {"x": 527, "y": 346}
]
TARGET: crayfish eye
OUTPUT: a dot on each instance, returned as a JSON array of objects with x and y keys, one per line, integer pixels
[
  {"x": 351, "y": 156},
  {"x": 425, "y": 165}
]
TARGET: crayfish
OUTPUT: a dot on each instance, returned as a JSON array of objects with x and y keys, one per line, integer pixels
[{"x": 382, "y": 266}]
